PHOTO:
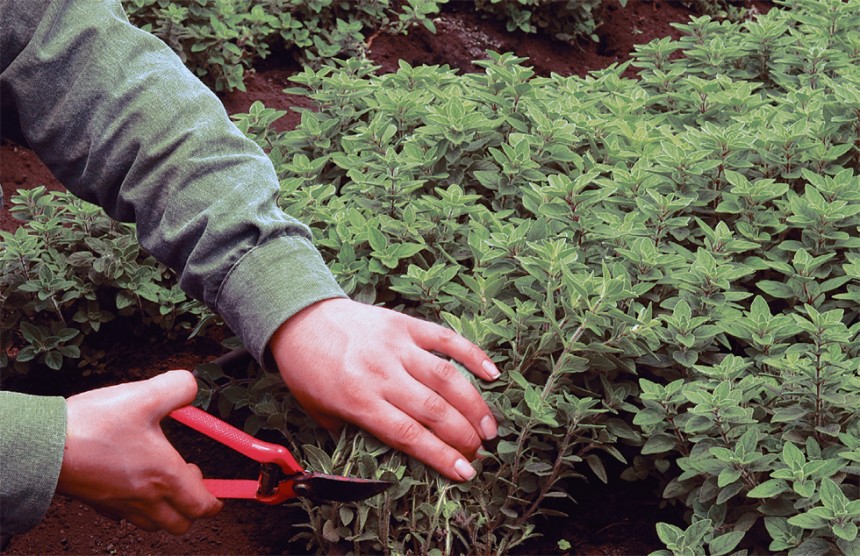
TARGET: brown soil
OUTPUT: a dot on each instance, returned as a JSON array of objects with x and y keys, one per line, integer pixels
[{"x": 613, "y": 520}]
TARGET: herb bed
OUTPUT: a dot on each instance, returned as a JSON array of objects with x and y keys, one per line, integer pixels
[
  {"x": 683, "y": 321},
  {"x": 615, "y": 520}
]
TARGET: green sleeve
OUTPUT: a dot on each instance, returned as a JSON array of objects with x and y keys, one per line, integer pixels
[
  {"x": 32, "y": 437},
  {"x": 120, "y": 121}
]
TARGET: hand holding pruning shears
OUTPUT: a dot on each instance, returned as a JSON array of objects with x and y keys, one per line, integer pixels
[{"x": 118, "y": 461}]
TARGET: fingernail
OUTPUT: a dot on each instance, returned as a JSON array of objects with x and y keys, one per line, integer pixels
[
  {"x": 488, "y": 428},
  {"x": 463, "y": 469},
  {"x": 491, "y": 369}
]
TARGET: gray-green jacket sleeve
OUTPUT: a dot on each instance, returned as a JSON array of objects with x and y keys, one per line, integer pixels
[
  {"x": 32, "y": 436},
  {"x": 116, "y": 116}
]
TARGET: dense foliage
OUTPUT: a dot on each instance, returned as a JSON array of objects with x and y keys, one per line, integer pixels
[
  {"x": 221, "y": 39},
  {"x": 70, "y": 269},
  {"x": 567, "y": 20},
  {"x": 666, "y": 270}
]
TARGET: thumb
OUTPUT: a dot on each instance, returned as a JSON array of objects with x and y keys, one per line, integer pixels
[{"x": 169, "y": 391}]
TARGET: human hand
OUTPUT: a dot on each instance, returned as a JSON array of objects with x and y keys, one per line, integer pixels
[
  {"x": 347, "y": 361},
  {"x": 118, "y": 461}
]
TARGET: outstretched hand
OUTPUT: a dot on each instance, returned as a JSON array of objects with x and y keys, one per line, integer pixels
[
  {"x": 373, "y": 367},
  {"x": 118, "y": 461}
]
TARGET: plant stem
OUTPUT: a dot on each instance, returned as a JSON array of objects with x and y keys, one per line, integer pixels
[{"x": 549, "y": 387}]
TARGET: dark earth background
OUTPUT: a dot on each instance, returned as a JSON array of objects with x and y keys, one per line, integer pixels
[{"x": 612, "y": 519}]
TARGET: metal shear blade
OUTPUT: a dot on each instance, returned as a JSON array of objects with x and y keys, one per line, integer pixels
[
  {"x": 281, "y": 477},
  {"x": 336, "y": 488}
]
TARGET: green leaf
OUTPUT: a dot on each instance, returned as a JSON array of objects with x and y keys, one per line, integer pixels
[
  {"x": 789, "y": 414},
  {"x": 792, "y": 456},
  {"x": 845, "y": 531},
  {"x": 807, "y": 521},
  {"x": 252, "y": 423},
  {"x": 331, "y": 531},
  {"x": 406, "y": 250},
  {"x": 648, "y": 416},
  {"x": 596, "y": 465},
  {"x": 686, "y": 358},
  {"x": 506, "y": 447},
  {"x": 725, "y": 543},
  {"x": 317, "y": 458},
  {"x": 521, "y": 381},
  {"x": 533, "y": 400},
  {"x": 728, "y": 476},
  {"x": 125, "y": 299},
  {"x": 28, "y": 353},
  {"x": 804, "y": 487},
  {"x": 851, "y": 548},
  {"x": 54, "y": 360},
  {"x": 66, "y": 334},
  {"x": 815, "y": 546},
  {"x": 658, "y": 444},
  {"x": 697, "y": 531},
  {"x": 832, "y": 496},
  {"x": 768, "y": 489},
  {"x": 376, "y": 239},
  {"x": 668, "y": 533},
  {"x": 698, "y": 424},
  {"x": 31, "y": 333},
  {"x": 778, "y": 290},
  {"x": 729, "y": 492}
]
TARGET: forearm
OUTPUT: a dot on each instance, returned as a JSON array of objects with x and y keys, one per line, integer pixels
[
  {"x": 31, "y": 453},
  {"x": 122, "y": 123}
]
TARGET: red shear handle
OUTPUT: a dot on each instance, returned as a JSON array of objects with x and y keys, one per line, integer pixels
[
  {"x": 233, "y": 488},
  {"x": 230, "y": 436}
]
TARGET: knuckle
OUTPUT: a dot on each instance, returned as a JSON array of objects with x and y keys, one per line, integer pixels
[
  {"x": 408, "y": 434},
  {"x": 353, "y": 395},
  {"x": 201, "y": 508},
  {"x": 373, "y": 369},
  {"x": 446, "y": 335},
  {"x": 150, "y": 484},
  {"x": 435, "y": 407},
  {"x": 444, "y": 370},
  {"x": 474, "y": 352},
  {"x": 214, "y": 508}
]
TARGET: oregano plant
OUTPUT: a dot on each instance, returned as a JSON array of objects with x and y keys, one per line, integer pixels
[
  {"x": 68, "y": 270},
  {"x": 664, "y": 268},
  {"x": 220, "y": 40}
]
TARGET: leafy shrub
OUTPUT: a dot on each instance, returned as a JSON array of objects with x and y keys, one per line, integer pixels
[
  {"x": 722, "y": 9},
  {"x": 665, "y": 269},
  {"x": 68, "y": 270},
  {"x": 221, "y": 39},
  {"x": 571, "y": 20},
  {"x": 567, "y": 20}
]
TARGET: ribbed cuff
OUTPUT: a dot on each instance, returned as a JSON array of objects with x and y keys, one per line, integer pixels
[{"x": 270, "y": 284}]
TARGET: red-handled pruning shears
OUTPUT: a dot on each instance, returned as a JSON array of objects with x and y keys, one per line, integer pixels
[{"x": 281, "y": 476}]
